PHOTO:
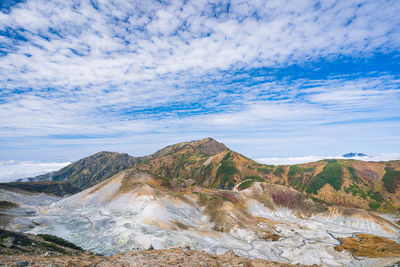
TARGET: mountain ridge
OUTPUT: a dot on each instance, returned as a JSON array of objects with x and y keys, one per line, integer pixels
[{"x": 210, "y": 164}]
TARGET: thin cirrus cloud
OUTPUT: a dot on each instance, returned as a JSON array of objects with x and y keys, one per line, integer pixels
[{"x": 119, "y": 74}]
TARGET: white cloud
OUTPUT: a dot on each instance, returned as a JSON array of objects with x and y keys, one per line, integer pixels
[
  {"x": 129, "y": 42},
  {"x": 312, "y": 158},
  {"x": 118, "y": 70},
  {"x": 13, "y": 170}
]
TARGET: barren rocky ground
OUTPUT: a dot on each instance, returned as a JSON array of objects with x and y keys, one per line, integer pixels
[{"x": 171, "y": 257}]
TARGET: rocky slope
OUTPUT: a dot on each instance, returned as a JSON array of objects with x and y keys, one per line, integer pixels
[
  {"x": 350, "y": 183},
  {"x": 18, "y": 207},
  {"x": 208, "y": 163},
  {"x": 135, "y": 210},
  {"x": 100, "y": 166},
  {"x": 89, "y": 171},
  {"x": 58, "y": 188},
  {"x": 150, "y": 258}
]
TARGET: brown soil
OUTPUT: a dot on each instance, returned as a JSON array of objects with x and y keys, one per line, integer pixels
[
  {"x": 369, "y": 246},
  {"x": 171, "y": 257}
]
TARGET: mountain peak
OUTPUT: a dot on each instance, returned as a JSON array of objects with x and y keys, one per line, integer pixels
[
  {"x": 354, "y": 154},
  {"x": 208, "y": 146}
]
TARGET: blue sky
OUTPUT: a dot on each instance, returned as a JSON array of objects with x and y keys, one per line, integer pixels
[{"x": 267, "y": 78}]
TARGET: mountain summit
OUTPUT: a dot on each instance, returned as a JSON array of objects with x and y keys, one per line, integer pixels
[
  {"x": 354, "y": 154},
  {"x": 207, "y": 146},
  {"x": 210, "y": 164}
]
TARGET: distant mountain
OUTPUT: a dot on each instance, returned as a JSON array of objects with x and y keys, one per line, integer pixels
[
  {"x": 210, "y": 164},
  {"x": 358, "y": 184},
  {"x": 207, "y": 146},
  {"x": 58, "y": 188},
  {"x": 89, "y": 171},
  {"x": 100, "y": 166},
  {"x": 352, "y": 155}
]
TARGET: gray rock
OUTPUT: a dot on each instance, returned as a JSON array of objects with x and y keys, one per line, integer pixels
[
  {"x": 8, "y": 242},
  {"x": 22, "y": 263}
]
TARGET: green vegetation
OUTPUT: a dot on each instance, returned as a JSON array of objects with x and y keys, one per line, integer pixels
[
  {"x": 294, "y": 169},
  {"x": 19, "y": 237},
  {"x": 278, "y": 171},
  {"x": 390, "y": 179},
  {"x": 249, "y": 180},
  {"x": 375, "y": 196},
  {"x": 253, "y": 177},
  {"x": 353, "y": 174},
  {"x": 53, "y": 247},
  {"x": 245, "y": 184},
  {"x": 309, "y": 169},
  {"x": 267, "y": 169},
  {"x": 374, "y": 205},
  {"x": 331, "y": 160},
  {"x": 296, "y": 176},
  {"x": 227, "y": 170},
  {"x": 295, "y": 182},
  {"x": 331, "y": 174},
  {"x": 205, "y": 173},
  {"x": 59, "y": 241},
  {"x": 356, "y": 191},
  {"x": 58, "y": 188}
]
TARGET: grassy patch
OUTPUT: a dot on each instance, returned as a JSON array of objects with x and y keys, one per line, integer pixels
[
  {"x": 353, "y": 174},
  {"x": 294, "y": 170},
  {"x": 375, "y": 196},
  {"x": 20, "y": 239},
  {"x": 390, "y": 179},
  {"x": 331, "y": 174},
  {"x": 59, "y": 241},
  {"x": 356, "y": 191},
  {"x": 52, "y": 247},
  {"x": 253, "y": 177},
  {"x": 278, "y": 171},
  {"x": 266, "y": 169},
  {"x": 226, "y": 172},
  {"x": 374, "y": 205},
  {"x": 331, "y": 160},
  {"x": 249, "y": 180},
  {"x": 245, "y": 184}
]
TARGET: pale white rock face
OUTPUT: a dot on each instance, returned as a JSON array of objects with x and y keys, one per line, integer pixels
[
  {"x": 29, "y": 199},
  {"x": 106, "y": 221},
  {"x": 29, "y": 206}
]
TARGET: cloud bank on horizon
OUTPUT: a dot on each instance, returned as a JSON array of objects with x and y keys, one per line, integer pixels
[
  {"x": 12, "y": 170},
  {"x": 313, "y": 158},
  {"x": 268, "y": 78}
]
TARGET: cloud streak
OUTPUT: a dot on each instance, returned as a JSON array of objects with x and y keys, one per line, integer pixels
[{"x": 94, "y": 73}]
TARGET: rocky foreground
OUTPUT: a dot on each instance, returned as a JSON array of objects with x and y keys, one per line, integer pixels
[
  {"x": 22, "y": 249},
  {"x": 170, "y": 257}
]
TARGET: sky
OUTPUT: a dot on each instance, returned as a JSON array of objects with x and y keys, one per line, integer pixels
[{"x": 267, "y": 78}]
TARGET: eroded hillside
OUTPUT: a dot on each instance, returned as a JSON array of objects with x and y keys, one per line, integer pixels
[
  {"x": 135, "y": 210},
  {"x": 210, "y": 164}
]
